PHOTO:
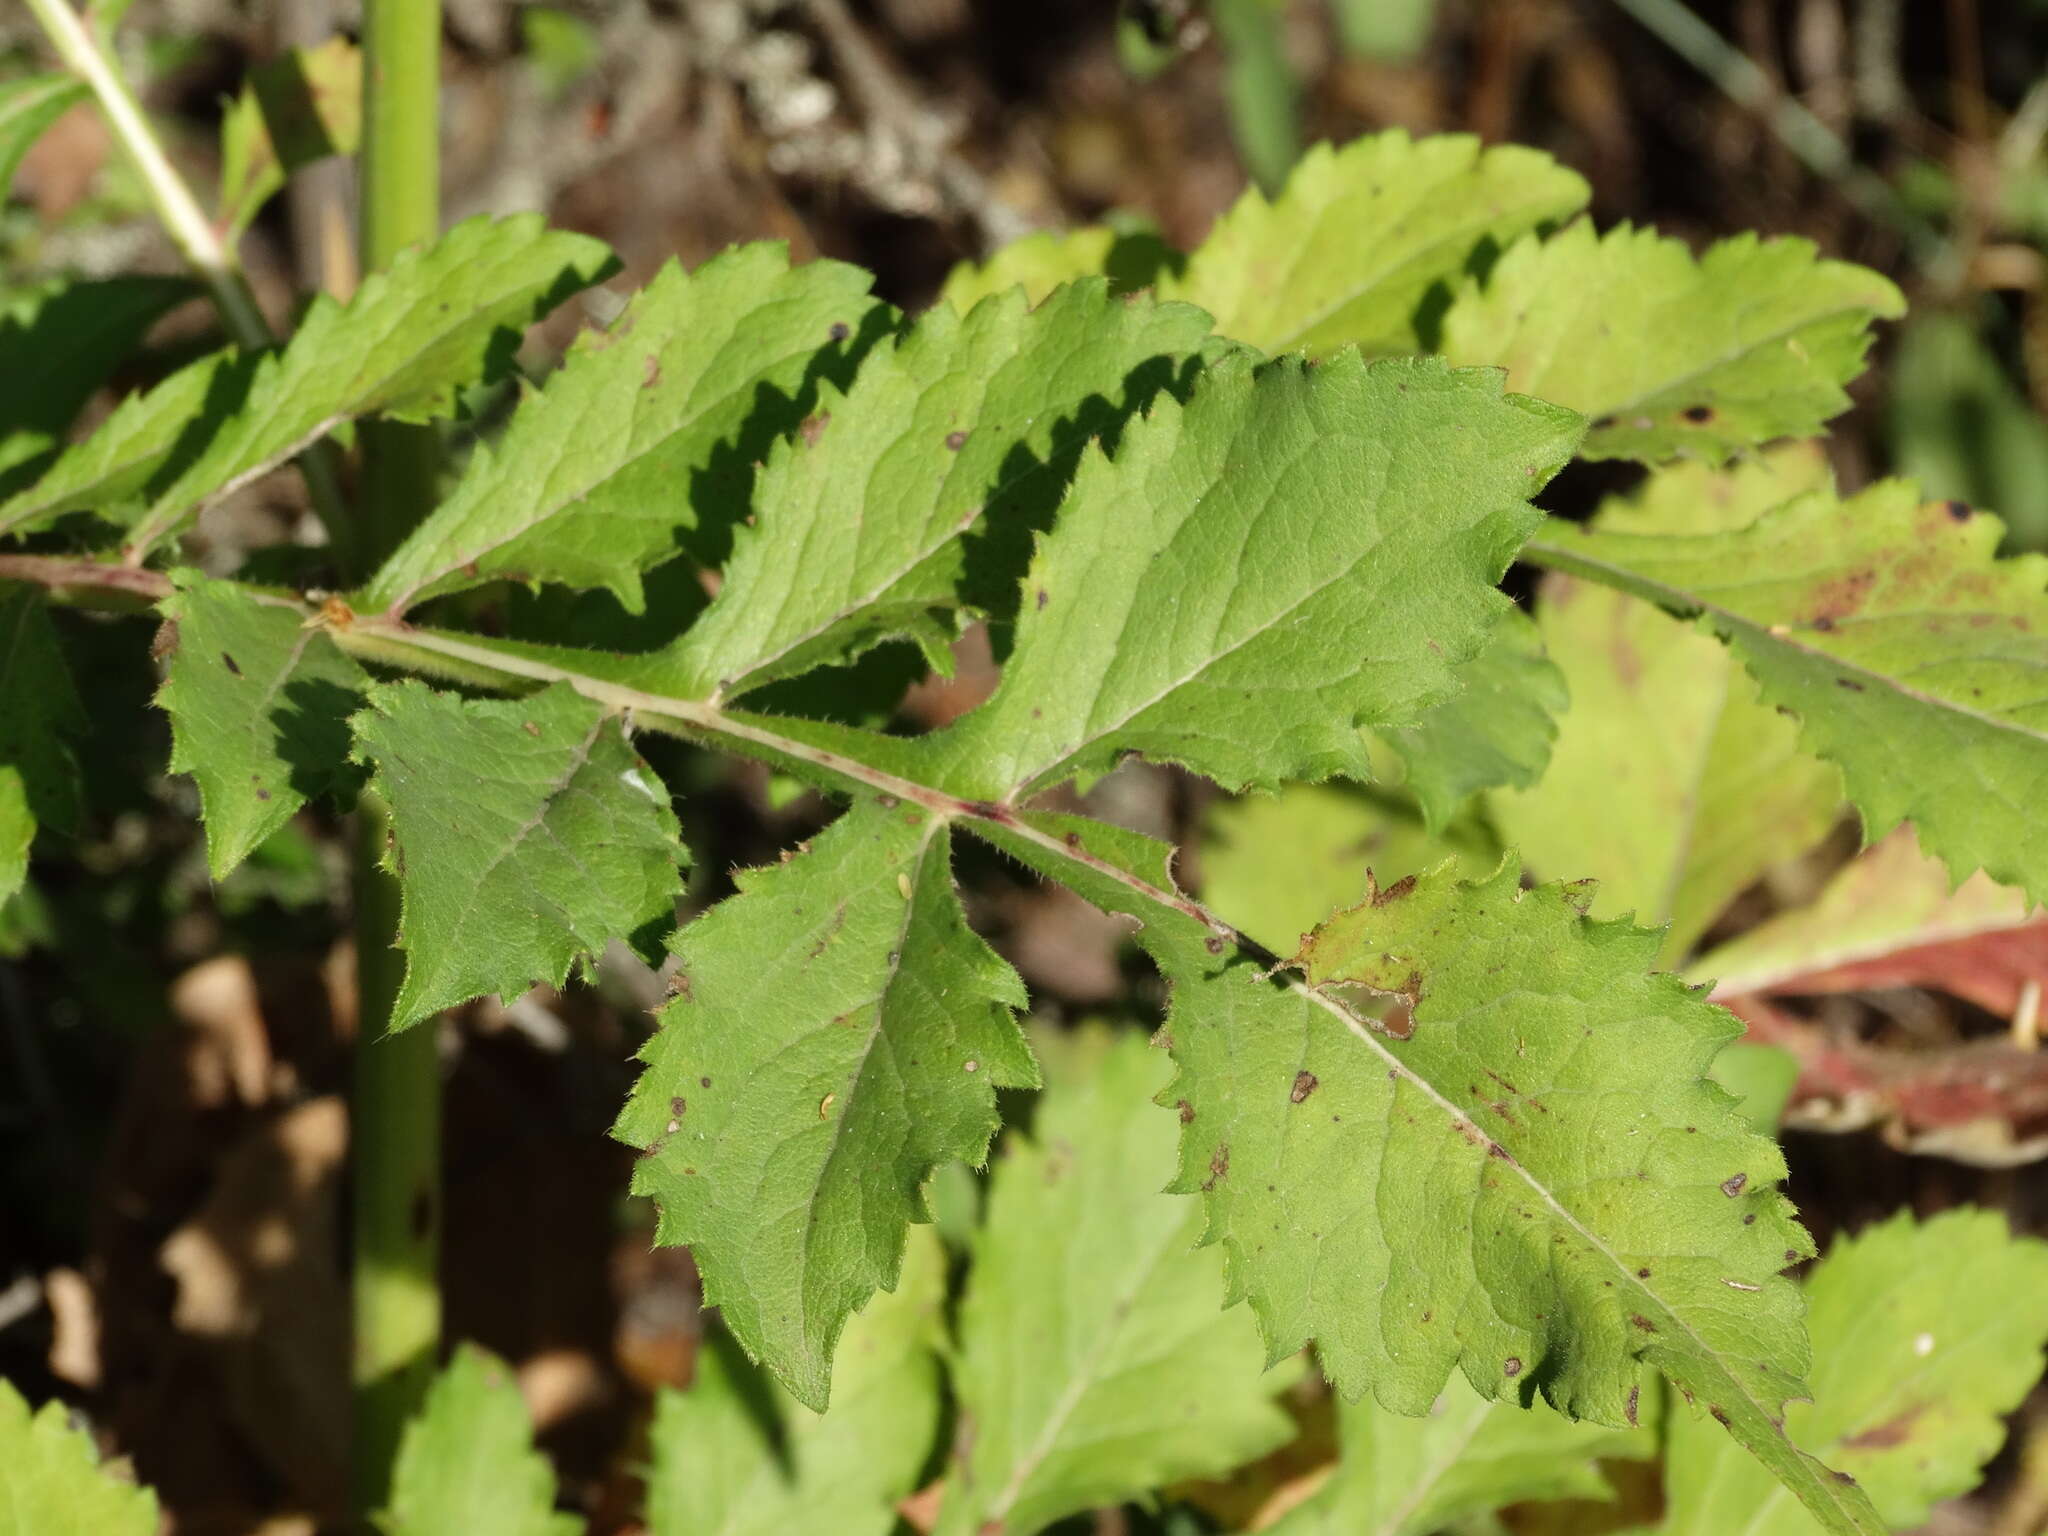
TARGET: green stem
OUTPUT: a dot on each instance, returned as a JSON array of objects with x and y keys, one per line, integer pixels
[
  {"x": 210, "y": 257},
  {"x": 397, "y": 1111},
  {"x": 1259, "y": 89}
]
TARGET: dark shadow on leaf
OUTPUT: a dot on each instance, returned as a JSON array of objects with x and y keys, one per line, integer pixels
[{"x": 313, "y": 738}]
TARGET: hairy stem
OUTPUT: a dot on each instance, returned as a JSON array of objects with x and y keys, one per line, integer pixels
[{"x": 396, "y": 1131}]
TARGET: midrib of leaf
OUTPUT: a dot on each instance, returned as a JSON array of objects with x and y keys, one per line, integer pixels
[
  {"x": 699, "y": 718},
  {"x": 1435, "y": 1474},
  {"x": 1686, "y": 604},
  {"x": 1035, "y": 780},
  {"x": 999, "y": 1507},
  {"x": 169, "y": 514},
  {"x": 935, "y": 827},
  {"x": 559, "y": 504}
]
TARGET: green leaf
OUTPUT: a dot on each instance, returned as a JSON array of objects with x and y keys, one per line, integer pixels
[
  {"x": 528, "y": 833},
  {"x": 967, "y": 426},
  {"x": 1468, "y": 1455},
  {"x": 1530, "y": 1183},
  {"x": 1496, "y": 729},
  {"x": 1131, "y": 258},
  {"x": 1300, "y": 551},
  {"x": 644, "y": 443},
  {"x": 1888, "y": 899},
  {"x": 259, "y": 702},
  {"x": 1672, "y": 355},
  {"x": 441, "y": 317},
  {"x": 737, "y": 1456},
  {"x": 467, "y": 1463},
  {"x": 51, "y": 1482},
  {"x": 1095, "y": 1361},
  {"x": 293, "y": 110},
  {"x": 839, "y": 1031},
  {"x": 1909, "y": 1388},
  {"x": 28, "y": 106},
  {"x": 1912, "y": 657},
  {"x": 1276, "y": 865},
  {"x": 1670, "y": 784},
  {"x": 1365, "y": 242},
  {"x": 39, "y": 778},
  {"x": 58, "y": 343}
]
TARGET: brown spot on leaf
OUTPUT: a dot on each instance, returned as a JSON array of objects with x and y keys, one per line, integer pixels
[
  {"x": 1849, "y": 683},
  {"x": 652, "y": 375},
  {"x": 956, "y": 441},
  {"x": 1642, "y": 1322},
  {"x": 813, "y": 428},
  {"x": 1393, "y": 892},
  {"x": 676, "y": 1106},
  {"x": 1634, "y": 1395},
  {"x": 1732, "y": 1185},
  {"x": 1040, "y": 600},
  {"x": 229, "y": 662},
  {"x": 1187, "y": 1112},
  {"x": 1720, "y": 1415},
  {"x": 1512, "y": 1366},
  {"x": 1213, "y": 944},
  {"x": 1959, "y": 510},
  {"x": 1219, "y": 1165},
  {"x": 1699, "y": 415},
  {"x": 703, "y": 1082},
  {"x": 841, "y": 330},
  {"x": 1893, "y": 1431},
  {"x": 1304, "y": 1085}
]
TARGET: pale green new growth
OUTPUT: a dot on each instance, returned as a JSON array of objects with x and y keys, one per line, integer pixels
[
  {"x": 467, "y": 1463},
  {"x": 38, "y": 775},
  {"x": 259, "y": 704},
  {"x": 1889, "y": 898},
  {"x": 1366, "y": 238},
  {"x": 1041, "y": 262},
  {"x": 1913, "y": 657},
  {"x": 1590, "y": 1202},
  {"x": 1276, "y": 865},
  {"x": 967, "y": 427},
  {"x": 1670, "y": 784},
  {"x": 1467, "y": 1456},
  {"x": 51, "y": 1482},
  {"x": 528, "y": 833},
  {"x": 1498, "y": 728},
  {"x": 737, "y": 1456},
  {"x": 644, "y": 445},
  {"x": 1095, "y": 1360},
  {"x": 1911, "y": 1377},
  {"x": 401, "y": 347},
  {"x": 27, "y": 107},
  {"x": 838, "y": 1031},
  {"x": 1670, "y": 354},
  {"x": 1301, "y": 550}
]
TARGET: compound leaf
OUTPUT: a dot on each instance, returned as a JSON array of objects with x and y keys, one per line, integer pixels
[
  {"x": 52, "y": 1483},
  {"x": 39, "y": 778},
  {"x": 737, "y": 1456},
  {"x": 1911, "y": 655},
  {"x": 643, "y": 445},
  {"x": 1908, "y": 1391},
  {"x": 1301, "y": 550},
  {"x": 527, "y": 834},
  {"x": 1469, "y": 1455},
  {"x": 1095, "y": 1361},
  {"x": 259, "y": 704},
  {"x": 1540, "y": 1191},
  {"x": 839, "y": 1031},
  {"x": 467, "y": 1463},
  {"x": 967, "y": 426},
  {"x": 1672, "y": 355},
  {"x": 28, "y": 106},
  {"x": 1365, "y": 241}
]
